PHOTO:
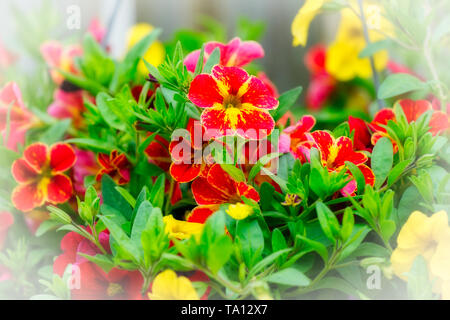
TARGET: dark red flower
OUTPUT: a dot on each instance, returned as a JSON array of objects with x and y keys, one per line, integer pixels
[{"x": 115, "y": 165}]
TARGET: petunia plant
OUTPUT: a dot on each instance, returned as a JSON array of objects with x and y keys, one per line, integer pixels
[{"x": 181, "y": 172}]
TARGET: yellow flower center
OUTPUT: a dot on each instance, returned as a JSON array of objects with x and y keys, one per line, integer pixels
[
  {"x": 114, "y": 289},
  {"x": 231, "y": 101}
]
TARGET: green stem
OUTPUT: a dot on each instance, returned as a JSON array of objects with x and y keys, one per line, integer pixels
[{"x": 376, "y": 80}]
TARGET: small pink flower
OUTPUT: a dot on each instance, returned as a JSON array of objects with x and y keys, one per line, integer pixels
[
  {"x": 235, "y": 53},
  {"x": 58, "y": 56}
]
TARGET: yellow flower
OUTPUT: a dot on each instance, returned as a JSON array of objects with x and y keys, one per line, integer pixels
[
  {"x": 343, "y": 60},
  {"x": 167, "y": 286},
  {"x": 420, "y": 235},
  {"x": 181, "y": 230},
  {"x": 154, "y": 55},
  {"x": 239, "y": 211},
  {"x": 302, "y": 20},
  {"x": 440, "y": 265}
]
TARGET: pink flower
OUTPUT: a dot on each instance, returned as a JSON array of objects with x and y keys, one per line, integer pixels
[
  {"x": 235, "y": 53},
  {"x": 85, "y": 165},
  {"x": 97, "y": 30},
  {"x": 6, "y": 220},
  {"x": 68, "y": 105},
  {"x": 20, "y": 118},
  {"x": 59, "y": 57}
]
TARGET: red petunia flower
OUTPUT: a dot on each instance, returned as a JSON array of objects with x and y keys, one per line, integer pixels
[
  {"x": 6, "y": 220},
  {"x": 69, "y": 105},
  {"x": 234, "y": 102},
  {"x": 89, "y": 281},
  {"x": 334, "y": 153},
  {"x": 235, "y": 53},
  {"x": 20, "y": 118},
  {"x": 321, "y": 84},
  {"x": 115, "y": 165},
  {"x": 40, "y": 176},
  {"x": 216, "y": 189},
  {"x": 361, "y": 134},
  {"x": 187, "y": 167},
  {"x": 294, "y": 138},
  {"x": 439, "y": 121},
  {"x": 269, "y": 84}
]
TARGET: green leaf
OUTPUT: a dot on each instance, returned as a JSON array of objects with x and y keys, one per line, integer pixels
[
  {"x": 382, "y": 160},
  {"x": 213, "y": 59},
  {"x": 112, "y": 198},
  {"x": 101, "y": 260},
  {"x": 200, "y": 62},
  {"x": 397, "y": 171},
  {"x": 251, "y": 239},
  {"x": 358, "y": 175},
  {"x": 348, "y": 221},
  {"x": 419, "y": 285},
  {"x": 55, "y": 132},
  {"x": 290, "y": 277},
  {"x": 235, "y": 173},
  {"x": 92, "y": 144},
  {"x": 374, "y": 47},
  {"x": 328, "y": 221},
  {"x": 315, "y": 246},
  {"x": 399, "y": 83},
  {"x": 127, "y": 70},
  {"x": 267, "y": 261},
  {"x": 286, "y": 101}
]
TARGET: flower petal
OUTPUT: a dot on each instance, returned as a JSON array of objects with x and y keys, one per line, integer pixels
[
  {"x": 257, "y": 95},
  {"x": 185, "y": 172},
  {"x": 231, "y": 80},
  {"x": 22, "y": 171},
  {"x": 201, "y": 213},
  {"x": 346, "y": 153},
  {"x": 36, "y": 155},
  {"x": 205, "y": 194},
  {"x": 204, "y": 92},
  {"x": 247, "y": 52},
  {"x": 59, "y": 189},
  {"x": 62, "y": 157},
  {"x": 26, "y": 197}
]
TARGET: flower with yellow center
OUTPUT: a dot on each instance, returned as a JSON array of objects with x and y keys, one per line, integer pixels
[
  {"x": 343, "y": 61},
  {"x": 420, "y": 235},
  {"x": 167, "y": 286},
  {"x": 181, "y": 230},
  {"x": 154, "y": 55},
  {"x": 239, "y": 211}
]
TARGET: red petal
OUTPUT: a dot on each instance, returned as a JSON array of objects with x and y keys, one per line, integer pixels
[
  {"x": 185, "y": 172},
  {"x": 368, "y": 174},
  {"x": 361, "y": 134},
  {"x": 414, "y": 109},
  {"x": 248, "y": 122},
  {"x": 324, "y": 142},
  {"x": 438, "y": 122},
  {"x": 36, "y": 155},
  {"x": 201, "y": 213},
  {"x": 346, "y": 153},
  {"x": 381, "y": 118},
  {"x": 258, "y": 95},
  {"x": 62, "y": 157},
  {"x": 230, "y": 80},
  {"x": 205, "y": 194},
  {"x": 204, "y": 92},
  {"x": 59, "y": 190},
  {"x": 26, "y": 197},
  {"x": 248, "y": 191},
  {"x": 22, "y": 171}
]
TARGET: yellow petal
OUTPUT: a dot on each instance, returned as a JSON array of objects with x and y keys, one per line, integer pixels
[
  {"x": 239, "y": 211},
  {"x": 302, "y": 20},
  {"x": 440, "y": 261},
  {"x": 167, "y": 286},
  {"x": 181, "y": 229}
]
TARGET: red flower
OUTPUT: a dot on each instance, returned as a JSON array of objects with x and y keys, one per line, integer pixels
[
  {"x": 158, "y": 153},
  {"x": 6, "y": 220},
  {"x": 20, "y": 118},
  {"x": 115, "y": 165},
  {"x": 235, "y": 53},
  {"x": 439, "y": 121},
  {"x": 334, "y": 153},
  {"x": 88, "y": 280},
  {"x": 187, "y": 167},
  {"x": 294, "y": 138},
  {"x": 269, "y": 84},
  {"x": 361, "y": 134},
  {"x": 216, "y": 189},
  {"x": 40, "y": 176},
  {"x": 321, "y": 84},
  {"x": 234, "y": 102}
]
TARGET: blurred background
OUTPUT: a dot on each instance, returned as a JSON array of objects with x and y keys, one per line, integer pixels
[{"x": 37, "y": 20}]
